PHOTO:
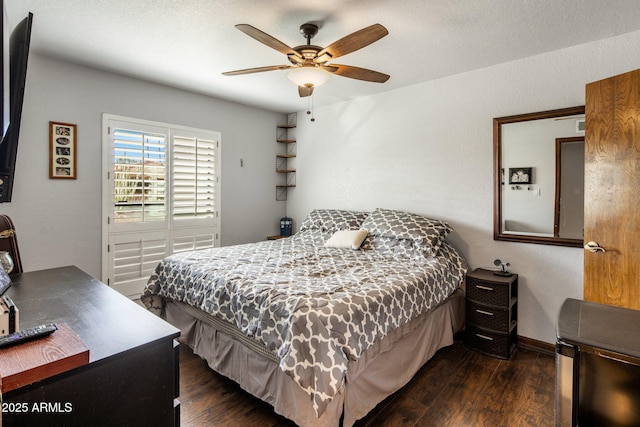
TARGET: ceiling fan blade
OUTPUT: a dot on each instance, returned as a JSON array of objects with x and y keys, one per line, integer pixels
[
  {"x": 256, "y": 70},
  {"x": 357, "y": 73},
  {"x": 354, "y": 41},
  {"x": 265, "y": 38},
  {"x": 305, "y": 91}
]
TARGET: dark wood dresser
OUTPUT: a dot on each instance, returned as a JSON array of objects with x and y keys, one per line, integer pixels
[
  {"x": 491, "y": 313},
  {"x": 132, "y": 378}
]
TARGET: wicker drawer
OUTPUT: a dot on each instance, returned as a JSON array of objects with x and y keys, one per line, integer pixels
[
  {"x": 490, "y": 342},
  {"x": 498, "y": 319},
  {"x": 484, "y": 292},
  {"x": 492, "y": 312}
]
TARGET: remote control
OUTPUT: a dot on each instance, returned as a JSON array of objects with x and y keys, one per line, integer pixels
[{"x": 27, "y": 334}]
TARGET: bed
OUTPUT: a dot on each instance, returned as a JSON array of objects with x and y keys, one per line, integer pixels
[{"x": 325, "y": 324}]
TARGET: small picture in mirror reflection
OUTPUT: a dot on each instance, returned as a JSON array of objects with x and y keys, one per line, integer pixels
[{"x": 520, "y": 176}]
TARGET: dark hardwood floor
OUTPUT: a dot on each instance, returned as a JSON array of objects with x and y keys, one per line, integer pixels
[{"x": 458, "y": 387}]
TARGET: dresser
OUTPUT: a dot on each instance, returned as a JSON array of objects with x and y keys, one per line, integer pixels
[
  {"x": 132, "y": 378},
  {"x": 491, "y": 313}
]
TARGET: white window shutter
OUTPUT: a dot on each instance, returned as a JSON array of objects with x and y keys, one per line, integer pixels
[
  {"x": 192, "y": 238},
  {"x": 139, "y": 176},
  {"x": 156, "y": 207},
  {"x": 194, "y": 178},
  {"x": 134, "y": 257}
]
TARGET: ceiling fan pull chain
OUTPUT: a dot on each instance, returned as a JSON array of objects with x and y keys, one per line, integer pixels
[
  {"x": 310, "y": 107},
  {"x": 313, "y": 119}
]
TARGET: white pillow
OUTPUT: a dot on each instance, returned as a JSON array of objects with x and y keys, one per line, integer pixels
[{"x": 346, "y": 239}]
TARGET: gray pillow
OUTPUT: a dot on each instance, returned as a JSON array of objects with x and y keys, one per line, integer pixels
[
  {"x": 332, "y": 220},
  {"x": 426, "y": 233}
]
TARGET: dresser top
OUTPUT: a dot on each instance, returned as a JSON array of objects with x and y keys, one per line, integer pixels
[
  {"x": 106, "y": 321},
  {"x": 490, "y": 276},
  {"x": 601, "y": 326}
]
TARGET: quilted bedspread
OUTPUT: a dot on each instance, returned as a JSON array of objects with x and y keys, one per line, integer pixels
[{"x": 316, "y": 308}]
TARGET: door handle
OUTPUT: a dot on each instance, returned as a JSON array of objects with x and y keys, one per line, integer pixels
[{"x": 593, "y": 247}]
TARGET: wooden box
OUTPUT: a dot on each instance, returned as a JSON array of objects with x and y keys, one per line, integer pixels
[{"x": 33, "y": 361}]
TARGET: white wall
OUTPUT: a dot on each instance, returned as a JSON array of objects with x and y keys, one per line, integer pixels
[
  {"x": 428, "y": 149},
  {"x": 59, "y": 221}
]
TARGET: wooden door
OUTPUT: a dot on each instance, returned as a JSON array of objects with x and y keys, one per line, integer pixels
[{"x": 612, "y": 191}]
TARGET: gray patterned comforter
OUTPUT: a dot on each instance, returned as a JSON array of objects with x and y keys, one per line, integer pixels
[{"x": 316, "y": 308}]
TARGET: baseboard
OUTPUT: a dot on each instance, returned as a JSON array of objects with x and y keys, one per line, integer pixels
[
  {"x": 524, "y": 342},
  {"x": 531, "y": 344}
]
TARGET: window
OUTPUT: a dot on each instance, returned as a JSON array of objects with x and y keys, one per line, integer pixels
[
  {"x": 160, "y": 196},
  {"x": 139, "y": 171}
]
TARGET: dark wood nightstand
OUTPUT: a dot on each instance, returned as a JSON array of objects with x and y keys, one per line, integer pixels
[
  {"x": 278, "y": 237},
  {"x": 491, "y": 313}
]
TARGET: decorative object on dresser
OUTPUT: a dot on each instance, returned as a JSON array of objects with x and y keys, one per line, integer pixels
[
  {"x": 6, "y": 262},
  {"x": 9, "y": 242},
  {"x": 492, "y": 313}
]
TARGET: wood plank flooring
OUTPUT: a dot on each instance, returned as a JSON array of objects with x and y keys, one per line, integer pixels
[{"x": 458, "y": 387}]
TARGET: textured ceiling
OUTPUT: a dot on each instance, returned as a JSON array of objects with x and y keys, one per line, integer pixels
[{"x": 189, "y": 43}]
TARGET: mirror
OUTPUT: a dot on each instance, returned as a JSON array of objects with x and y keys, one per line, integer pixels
[{"x": 539, "y": 177}]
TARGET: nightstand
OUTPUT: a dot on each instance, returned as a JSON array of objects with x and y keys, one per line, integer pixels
[
  {"x": 491, "y": 313},
  {"x": 278, "y": 237}
]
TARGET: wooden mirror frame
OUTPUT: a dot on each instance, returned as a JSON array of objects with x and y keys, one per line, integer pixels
[{"x": 497, "y": 176}]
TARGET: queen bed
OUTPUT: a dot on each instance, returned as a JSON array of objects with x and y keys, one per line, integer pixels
[{"x": 325, "y": 324}]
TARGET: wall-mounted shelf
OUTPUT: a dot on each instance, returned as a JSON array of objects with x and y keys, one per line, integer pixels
[{"x": 284, "y": 136}]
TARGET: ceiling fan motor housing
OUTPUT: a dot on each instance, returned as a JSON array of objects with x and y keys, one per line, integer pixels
[{"x": 308, "y": 30}]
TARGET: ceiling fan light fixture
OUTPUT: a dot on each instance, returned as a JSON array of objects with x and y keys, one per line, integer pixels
[{"x": 305, "y": 76}]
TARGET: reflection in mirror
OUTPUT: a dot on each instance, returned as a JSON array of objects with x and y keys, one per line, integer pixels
[
  {"x": 569, "y": 194},
  {"x": 539, "y": 176}
]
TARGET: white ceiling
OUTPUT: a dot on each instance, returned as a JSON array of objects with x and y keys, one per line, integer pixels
[{"x": 189, "y": 43}]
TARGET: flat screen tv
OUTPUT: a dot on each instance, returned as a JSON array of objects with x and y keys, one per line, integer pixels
[{"x": 18, "y": 49}]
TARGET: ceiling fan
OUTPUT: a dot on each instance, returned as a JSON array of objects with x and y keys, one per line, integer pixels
[{"x": 310, "y": 64}]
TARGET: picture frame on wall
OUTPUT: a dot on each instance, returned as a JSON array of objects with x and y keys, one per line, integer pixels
[
  {"x": 520, "y": 175},
  {"x": 62, "y": 150}
]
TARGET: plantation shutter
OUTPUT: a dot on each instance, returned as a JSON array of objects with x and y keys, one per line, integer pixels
[
  {"x": 134, "y": 257},
  {"x": 139, "y": 171},
  {"x": 194, "y": 177},
  {"x": 155, "y": 207}
]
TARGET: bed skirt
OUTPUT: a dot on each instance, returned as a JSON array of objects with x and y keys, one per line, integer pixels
[{"x": 381, "y": 370}]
